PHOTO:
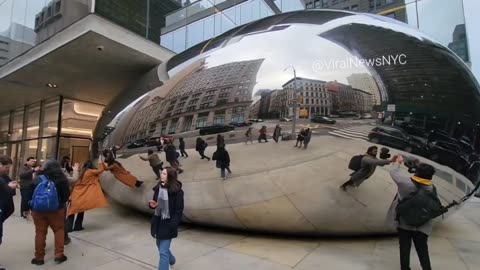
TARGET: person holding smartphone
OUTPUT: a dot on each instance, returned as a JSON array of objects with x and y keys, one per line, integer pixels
[{"x": 168, "y": 205}]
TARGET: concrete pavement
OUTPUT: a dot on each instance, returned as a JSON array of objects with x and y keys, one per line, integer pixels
[{"x": 118, "y": 239}]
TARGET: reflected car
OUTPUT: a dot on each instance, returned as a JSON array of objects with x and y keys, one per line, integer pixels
[
  {"x": 322, "y": 120},
  {"x": 285, "y": 119},
  {"x": 395, "y": 137},
  {"x": 448, "y": 154},
  {"x": 215, "y": 129},
  {"x": 156, "y": 141},
  {"x": 137, "y": 144},
  {"x": 240, "y": 124}
]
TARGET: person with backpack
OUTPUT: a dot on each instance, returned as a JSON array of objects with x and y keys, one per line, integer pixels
[
  {"x": 364, "y": 166},
  {"x": 262, "y": 134},
  {"x": 223, "y": 160},
  {"x": 171, "y": 155},
  {"x": 168, "y": 205},
  {"x": 200, "y": 147},
  {"x": 249, "y": 136},
  {"x": 412, "y": 211},
  {"x": 48, "y": 206},
  {"x": 181, "y": 146},
  {"x": 87, "y": 194}
]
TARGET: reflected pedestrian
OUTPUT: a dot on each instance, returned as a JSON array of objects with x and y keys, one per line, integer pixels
[
  {"x": 182, "y": 148},
  {"x": 300, "y": 138},
  {"x": 223, "y": 160},
  {"x": 307, "y": 138},
  {"x": 277, "y": 133},
  {"x": 155, "y": 162},
  {"x": 171, "y": 156},
  {"x": 249, "y": 136},
  {"x": 263, "y": 134},
  {"x": 200, "y": 147}
]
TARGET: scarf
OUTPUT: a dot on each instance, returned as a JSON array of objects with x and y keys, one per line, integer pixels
[
  {"x": 422, "y": 181},
  {"x": 162, "y": 210}
]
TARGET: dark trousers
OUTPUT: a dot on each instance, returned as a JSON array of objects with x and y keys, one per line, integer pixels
[
  {"x": 156, "y": 169},
  {"x": 419, "y": 239},
  {"x": 26, "y": 193},
  {"x": 174, "y": 164},
  {"x": 55, "y": 221},
  {"x": 202, "y": 154},
  {"x": 78, "y": 224},
  {"x": 184, "y": 154},
  {"x": 222, "y": 171}
]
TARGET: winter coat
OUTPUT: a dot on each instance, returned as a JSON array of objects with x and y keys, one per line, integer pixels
[
  {"x": 277, "y": 132},
  {"x": 368, "y": 167},
  {"x": 26, "y": 177},
  {"x": 181, "y": 146},
  {"x": 7, "y": 206},
  {"x": 222, "y": 158},
  {"x": 153, "y": 159},
  {"x": 168, "y": 228},
  {"x": 170, "y": 153},
  {"x": 405, "y": 187},
  {"x": 122, "y": 174},
  {"x": 201, "y": 145},
  {"x": 87, "y": 194},
  {"x": 220, "y": 140}
]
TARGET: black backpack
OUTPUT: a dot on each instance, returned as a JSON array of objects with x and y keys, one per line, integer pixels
[
  {"x": 419, "y": 207},
  {"x": 355, "y": 163}
]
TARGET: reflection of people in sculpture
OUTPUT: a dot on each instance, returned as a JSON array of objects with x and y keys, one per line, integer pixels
[
  {"x": 406, "y": 185},
  {"x": 307, "y": 138},
  {"x": 155, "y": 162},
  {"x": 249, "y": 136},
  {"x": 300, "y": 138},
  {"x": 66, "y": 164},
  {"x": 171, "y": 155},
  {"x": 220, "y": 140},
  {"x": 368, "y": 166},
  {"x": 181, "y": 146},
  {"x": 122, "y": 174},
  {"x": 277, "y": 132},
  {"x": 263, "y": 134},
  {"x": 200, "y": 147},
  {"x": 223, "y": 160},
  {"x": 87, "y": 194},
  {"x": 168, "y": 204}
]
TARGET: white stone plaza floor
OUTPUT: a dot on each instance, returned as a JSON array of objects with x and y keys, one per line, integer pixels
[{"x": 119, "y": 239}]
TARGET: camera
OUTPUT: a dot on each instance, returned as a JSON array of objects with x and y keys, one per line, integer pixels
[{"x": 384, "y": 153}]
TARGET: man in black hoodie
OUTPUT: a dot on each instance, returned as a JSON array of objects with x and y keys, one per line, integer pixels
[
  {"x": 26, "y": 183},
  {"x": 7, "y": 191}
]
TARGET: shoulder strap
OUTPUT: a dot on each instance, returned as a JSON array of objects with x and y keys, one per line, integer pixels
[{"x": 44, "y": 178}]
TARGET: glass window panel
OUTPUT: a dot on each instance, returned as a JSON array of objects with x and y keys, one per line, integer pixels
[
  {"x": 238, "y": 15},
  {"x": 194, "y": 33},
  {"x": 4, "y": 121},
  {"x": 76, "y": 149},
  {"x": 246, "y": 13},
  {"x": 256, "y": 9},
  {"x": 50, "y": 119},
  {"x": 230, "y": 14},
  {"x": 167, "y": 41},
  {"x": 218, "y": 24},
  {"x": 291, "y": 5},
  {"x": 17, "y": 130},
  {"x": 48, "y": 149},
  {"x": 32, "y": 121},
  {"x": 179, "y": 40},
  {"x": 227, "y": 24},
  {"x": 209, "y": 28}
]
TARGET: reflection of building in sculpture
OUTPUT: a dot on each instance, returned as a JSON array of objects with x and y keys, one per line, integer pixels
[
  {"x": 255, "y": 110},
  {"x": 204, "y": 97},
  {"x": 14, "y": 41},
  {"x": 315, "y": 97},
  {"x": 344, "y": 98},
  {"x": 365, "y": 82},
  {"x": 140, "y": 126},
  {"x": 459, "y": 43}
]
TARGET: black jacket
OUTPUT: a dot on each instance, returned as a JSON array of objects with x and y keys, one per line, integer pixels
[
  {"x": 62, "y": 186},
  {"x": 171, "y": 153},
  {"x": 7, "y": 207},
  {"x": 181, "y": 146},
  {"x": 201, "y": 145},
  {"x": 222, "y": 158},
  {"x": 26, "y": 177},
  {"x": 168, "y": 228}
]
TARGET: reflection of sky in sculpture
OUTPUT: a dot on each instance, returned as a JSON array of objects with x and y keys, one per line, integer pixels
[{"x": 302, "y": 53}]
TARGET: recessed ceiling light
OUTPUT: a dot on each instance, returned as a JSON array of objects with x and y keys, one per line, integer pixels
[{"x": 51, "y": 85}]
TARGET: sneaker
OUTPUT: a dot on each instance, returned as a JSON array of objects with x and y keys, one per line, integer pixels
[
  {"x": 37, "y": 262},
  {"x": 61, "y": 259}
]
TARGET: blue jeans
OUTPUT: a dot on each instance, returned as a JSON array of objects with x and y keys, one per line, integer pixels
[{"x": 166, "y": 257}]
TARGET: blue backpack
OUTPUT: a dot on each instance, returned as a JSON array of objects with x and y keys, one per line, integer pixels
[{"x": 45, "y": 197}]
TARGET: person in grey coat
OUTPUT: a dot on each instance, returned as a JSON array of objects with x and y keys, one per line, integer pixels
[
  {"x": 368, "y": 167},
  {"x": 406, "y": 234}
]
